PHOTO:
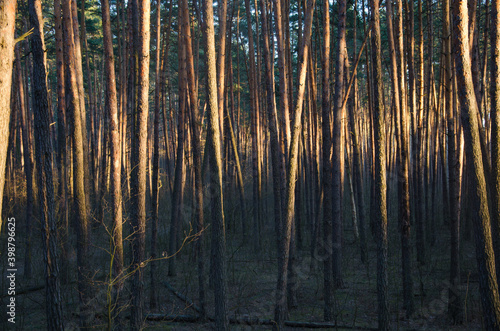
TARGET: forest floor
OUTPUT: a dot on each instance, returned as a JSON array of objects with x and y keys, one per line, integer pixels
[{"x": 251, "y": 282}]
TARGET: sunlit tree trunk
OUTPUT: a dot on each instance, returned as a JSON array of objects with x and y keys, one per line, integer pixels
[
  {"x": 327, "y": 165},
  {"x": 139, "y": 158},
  {"x": 256, "y": 154},
  {"x": 115, "y": 144},
  {"x": 276, "y": 155},
  {"x": 194, "y": 119},
  {"x": 488, "y": 287},
  {"x": 380, "y": 172},
  {"x": 338, "y": 149},
  {"x": 79, "y": 200},
  {"x": 357, "y": 141},
  {"x": 79, "y": 79},
  {"x": 7, "y": 19},
  {"x": 284, "y": 80},
  {"x": 214, "y": 150},
  {"x": 286, "y": 231},
  {"x": 403, "y": 166}
]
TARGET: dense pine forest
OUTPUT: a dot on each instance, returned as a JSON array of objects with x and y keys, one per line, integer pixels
[{"x": 250, "y": 165}]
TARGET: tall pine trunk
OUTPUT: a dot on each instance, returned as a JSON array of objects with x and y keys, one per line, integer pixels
[
  {"x": 139, "y": 158},
  {"x": 216, "y": 195},
  {"x": 488, "y": 287},
  {"x": 380, "y": 198},
  {"x": 79, "y": 197},
  {"x": 289, "y": 213},
  {"x": 43, "y": 149},
  {"x": 7, "y": 19}
]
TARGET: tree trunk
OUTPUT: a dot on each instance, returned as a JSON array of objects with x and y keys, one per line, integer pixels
[
  {"x": 178, "y": 192},
  {"x": 195, "y": 120},
  {"x": 139, "y": 157},
  {"x": 327, "y": 167},
  {"x": 156, "y": 161},
  {"x": 455, "y": 304},
  {"x": 495, "y": 130},
  {"x": 276, "y": 154},
  {"x": 115, "y": 146},
  {"x": 488, "y": 287},
  {"x": 338, "y": 149},
  {"x": 286, "y": 232},
  {"x": 26, "y": 125},
  {"x": 43, "y": 148},
  {"x": 79, "y": 208},
  {"x": 215, "y": 188},
  {"x": 403, "y": 165},
  {"x": 7, "y": 20},
  {"x": 380, "y": 172}
]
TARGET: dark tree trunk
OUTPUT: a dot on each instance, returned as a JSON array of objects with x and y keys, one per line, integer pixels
[
  {"x": 26, "y": 125},
  {"x": 43, "y": 152},
  {"x": 455, "y": 304},
  {"x": 495, "y": 130},
  {"x": 156, "y": 161}
]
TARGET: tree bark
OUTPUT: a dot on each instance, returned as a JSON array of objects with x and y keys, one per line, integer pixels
[
  {"x": 43, "y": 149},
  {"x": 214, "y": 150},
  {"x": 488, "y": 287},
  {"x": 115, "y": 145},
  {"x": 495, "y": 129},
  {"x": 338, "y": 149},
  {"x": 79, "y": 202},
  {"x": 380, "y": 172},
  {"x": 327, "y": 166},
  {"x": 7, "y": 26},
  {"x": 286, "y": 232},
  {"x": 139, "y": 158},
  {"x": 156, "y": 161}
]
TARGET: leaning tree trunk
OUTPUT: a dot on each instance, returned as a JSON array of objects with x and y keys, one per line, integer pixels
[
  {"x": 7, "y": 19},
  {"x": 488, "y": 286},
  {"x": 286, "y": 231},
  {"x": 43, "y": 150}
]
